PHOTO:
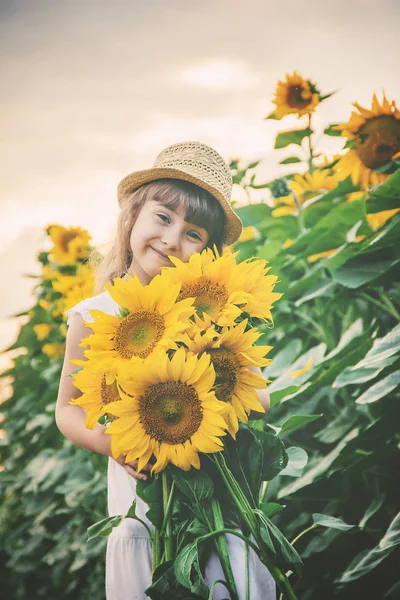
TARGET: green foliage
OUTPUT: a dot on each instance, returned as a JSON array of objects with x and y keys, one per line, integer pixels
[
  {"x": 338, "y": 321},
  {"x": 50, "y": 490},
  {"x": 295, "y": 136}
]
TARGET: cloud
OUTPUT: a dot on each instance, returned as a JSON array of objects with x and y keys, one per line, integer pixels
[{"x": 221, "y": 75}]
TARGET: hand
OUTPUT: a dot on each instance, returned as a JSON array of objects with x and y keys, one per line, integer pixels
[{"x": 131, "y": 467}]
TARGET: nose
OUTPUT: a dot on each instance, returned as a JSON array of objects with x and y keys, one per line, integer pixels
[{"x": 171, "y": 238}]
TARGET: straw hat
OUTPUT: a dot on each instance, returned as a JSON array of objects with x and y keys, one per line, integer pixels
[{"x": 196, "y": 163}]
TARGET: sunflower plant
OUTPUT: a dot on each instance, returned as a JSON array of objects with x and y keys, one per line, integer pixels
[{"x": 175, "y": 376}]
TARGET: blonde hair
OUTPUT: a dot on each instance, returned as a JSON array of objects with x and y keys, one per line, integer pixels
[{"x": 202, "y": 209}]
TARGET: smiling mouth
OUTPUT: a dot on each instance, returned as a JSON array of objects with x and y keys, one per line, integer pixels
[{"x": 161, "y": 255}]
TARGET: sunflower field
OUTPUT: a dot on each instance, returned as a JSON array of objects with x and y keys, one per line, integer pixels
[{"x": 328, "y": 229}]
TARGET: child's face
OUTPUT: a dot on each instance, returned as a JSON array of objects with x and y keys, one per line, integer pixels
[{"x": 160, "y": 232}]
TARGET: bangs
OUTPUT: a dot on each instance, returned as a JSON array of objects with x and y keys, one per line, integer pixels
[{"x": 202, "y": 209}]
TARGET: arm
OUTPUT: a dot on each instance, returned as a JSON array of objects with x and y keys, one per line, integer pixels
[{"x": 70, "y": 419}]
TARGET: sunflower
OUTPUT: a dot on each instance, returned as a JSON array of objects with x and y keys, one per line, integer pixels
[
  {"x": 231, "y": 354},
  {"x": 53, "y": 350},
  {"x": 213, "y": 281},
  {"x": 376, "y": 137},
  {"x": 69, "y": 244},
  {"x": 295, "y": 95},
  {"x": 171, "y": 412},
  {"x": 49, "y": 273},
  {"x": 96, "y": 393},
  {"x": 73, "y": 288},
  {"x": 151, "y": 320},
  {"x": 258, "y": 286},
  {"x": 305, "y": 187},
  {"x": 249, "y": 233},
  {"x": 42, "y": 330},
  {"x": 221, "y": 288}
]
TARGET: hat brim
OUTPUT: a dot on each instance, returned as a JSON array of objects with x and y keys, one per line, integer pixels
[{"x": 233, "y": 226}]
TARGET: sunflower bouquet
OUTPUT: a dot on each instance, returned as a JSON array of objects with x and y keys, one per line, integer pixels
[{"x": 175, "y": 373}]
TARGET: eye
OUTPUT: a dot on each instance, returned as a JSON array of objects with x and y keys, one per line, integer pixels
[
  {"x": 194, "y": 235},
  {"x": 163, "y": 217}
]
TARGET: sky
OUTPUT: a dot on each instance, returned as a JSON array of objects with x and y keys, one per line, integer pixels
[{"x": 94, "y": 90}]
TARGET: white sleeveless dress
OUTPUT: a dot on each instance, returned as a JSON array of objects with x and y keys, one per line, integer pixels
[{"x": 128, "y": 557}]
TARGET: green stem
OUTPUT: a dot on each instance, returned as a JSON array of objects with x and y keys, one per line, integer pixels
[
  {"x": 383, "y": 307},
  {"x": 214, "y": 583},
  {"x": 303, "y": 533},
  {"x": 263, "y": 491},
  {"x": 206, "y": 536},
  {"x": 310, "y": 149},
  {"x": 250, "y": 520},
  {"x": 247, "y": 573},
  {"x": 299, "y": 211},
  {"x": 222, "y": 548},
  {"x": 310, "y": 320},
  {"x": 389, "y": 304},
  {"x": 167, "y": 526},
  {"x": 155, "y": 549},
  {"x": 168, "y": 507}
]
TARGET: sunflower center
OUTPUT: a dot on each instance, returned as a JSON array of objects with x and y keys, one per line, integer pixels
[
  {"x": 211, "y": 297},
  {"x": 226, "y": 372},
  {"x": 66, "y": 238},
  {"x": 378, "y": 140},
  {"x": 109, "y": 393},
  {"x": 171, "y": 412},
  {"x": 138, "y": 334},
  {"x": 298, "y": 96}
]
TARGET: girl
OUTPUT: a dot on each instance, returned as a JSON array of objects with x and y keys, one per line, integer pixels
[{"x": 179, "y": 206}]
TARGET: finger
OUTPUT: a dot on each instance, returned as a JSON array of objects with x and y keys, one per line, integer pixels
[
  {"x": 134, "y": 465},
  {"x": 134, "y": 473}
]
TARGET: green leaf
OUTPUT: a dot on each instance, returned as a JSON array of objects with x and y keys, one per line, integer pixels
[
  {"x": 291, "y": 137},
  {"x": 385, "y": 196},
  {"x": 364, "y": 268},
  {"x": 353, "y": 375},
  {"x": 382, "y": 354},
  {"x": 380, "y": 389},
  {"x": 290, "y": 160},
  {"x": 322, "y": 289},
  {"x": 367, "y": 561},
  {"x": 275, "y": 456},
  {"x": 381, "y": 350},
  {"x": 164, "y": 582},
  {"x": 195, "y": 485},
  {"x": 331, "y": 231},
  {"x": 318, "y": 469},
  {"x": 253, "y": 213},
  {"x": 331, "y": 131},
  {"x": 250, "y": 453},
  {"x": 287, "y": 552},
  {"x": 271, "y": 508},
  {"x": 333, "y": 522},
  {"x": 285, "y": 380},
  {"x": 104, "y": 527},
  {"x": 285, "y": 356},
  {"x": 373, "y": 508},
  {"x": 272, "y": 116},
  {"x": 276, "y": 397},
  {"x": 297, "y": 461},
  {"x": 187, "y": 570},
  {"x": 296, "y": 421}
]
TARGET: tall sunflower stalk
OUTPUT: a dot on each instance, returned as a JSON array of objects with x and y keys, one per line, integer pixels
[{"x": 177, "y": 377}]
